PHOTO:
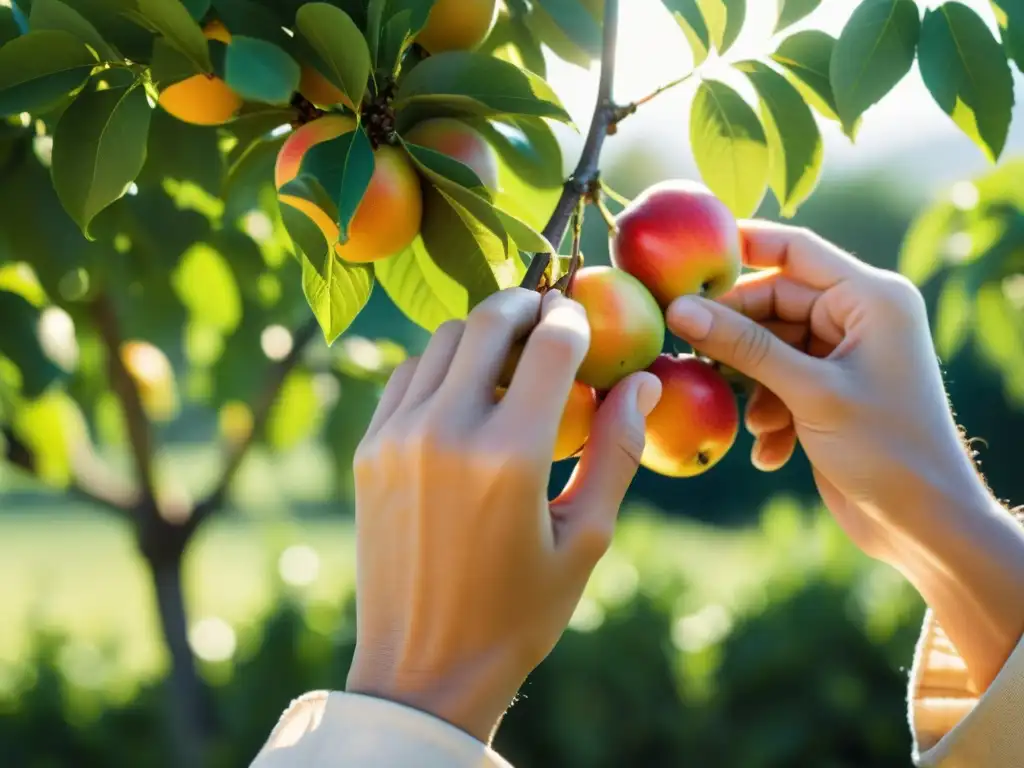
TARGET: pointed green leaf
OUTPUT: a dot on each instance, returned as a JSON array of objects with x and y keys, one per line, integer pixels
[
  {"x": 172, "y": 20},
  {"x": 792, "y": 11},
  {"x": 260, "y": 71},
  {"x": 725, "y": 19},
  {"x": 730, "y": 147},
  {"x": 54, "y": 14},
  {"x": 169, "y": 65},
  {"x": 481, "y": 85},
  {"x": 576, "y": 23},
  {"x": 343, "y": 167},
  {"x": 873, "y": 53},
  {"x": 99, "y": 147},
  {"x": 1010, "y": 16},
  {"x": 449, "y": 167},
  {"x": 966, "y": 72},
  {"x": 921, "y": 255},
  {"x": 420, "y": 289},
  {"x": 39, "y": 68},
  {"x": 460, "y": 245},
  {"x": 344, "y": 58},
  {"x": 807, "y": 57},
  {"x": 795, "y": 147},
  {"x": 9, "y": 27},
  {"x": 513, "y": 40},
  {"x": 688, "y": 15}
]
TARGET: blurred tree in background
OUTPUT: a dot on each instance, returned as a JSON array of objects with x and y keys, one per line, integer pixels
[{"x": 156, "y": 295}]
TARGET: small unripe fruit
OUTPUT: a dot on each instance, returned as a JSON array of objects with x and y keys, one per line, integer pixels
[
  {"x": 696, "y": 421},
  {"x": 577, "y": 419},
  {"x": 460, "y": 141},
  {"x": 203, "y": 99},
  {"x": 677, "y": 238},
  {"x": 389, "y": 216},
  {"x": 627, "y": 328},
  {"x": 458, "y": 25}
]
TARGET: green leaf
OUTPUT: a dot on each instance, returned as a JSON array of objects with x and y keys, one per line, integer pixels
[
  {"x": 953, "y": 318},
  {"x": 9, "y": 28},
  {"x": 343, "y": 167},
  {"x": 40, "y": 68},
  {"x": 513, "y": 40},
  {"x": 730, "y": 147},
  {"x": 807, "y": 57},
  {"x": 99, "y": 147},
  {"x": 873, "y": 53},
  {"x": 576, "y": 23},
  {"x": 795, "y": 147},
  {"x": 479, "y": 85},
  {"x": 921, "y": 254},
  {"x": 55, "y": 15},
  {"x": 20, "y": 343},
  {"x": 792, "y": 11},
  {"x": 251, "y": 18},
  {"x": 344, "y": 58},
  {"x": 420, "y": 289},
  {"x": 725, "y": 19},
  {"x": 336, "y": 291},
  {"x": 197, "y": 9},
  {"x": 544, "y": 30},
  {"x": 206, "y": 286},
  {"x": 169, "y": 65},
  {"x": 184, "y": 152},
  {"x": 523, "y": 235},
  {"x": 1010, "y": 16},
  {"x": 260, "y": 71},
  {"x": 49, "y": 427},
  {"x": 172, "y": 20},
  {"x": 295, "y": 413},
  {"x": 449, "y": 167},
  {"x": 966, "y": 72},
  {"x": 688, "y": 15},
  {"x": 460, "y": 245}
]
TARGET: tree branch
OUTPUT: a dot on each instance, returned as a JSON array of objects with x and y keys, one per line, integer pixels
[
  {"x": 140, "y": 434},
  {"x": 586, "y": 173},
  {"x": 261, "y": 412}
]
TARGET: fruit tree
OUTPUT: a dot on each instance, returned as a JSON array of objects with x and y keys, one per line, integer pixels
[{"x": 197, "y": 198}]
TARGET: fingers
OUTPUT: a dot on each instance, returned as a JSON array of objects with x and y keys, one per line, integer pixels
[
  {"x": 766, "y": 413},
  {"x": 392, "y": 395},
  {"x": 492, "y": 328},
  {"x": 764, "y": 296},
  {"x": 586, "y": 511},
  {"x": 797, "y": 252},
  {"x": 434, "y": 363},
  {"x": 737, "y": 341},
  {"x": 547, "y": 368},
  {"x": 772, "y": 451}
]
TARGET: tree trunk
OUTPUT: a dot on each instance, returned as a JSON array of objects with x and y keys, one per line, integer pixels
[{"x": 187, "y": 696}]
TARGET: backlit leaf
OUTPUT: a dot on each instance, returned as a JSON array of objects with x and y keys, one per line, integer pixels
[
  {"x": 344, "y": 58},
  {"x": 40, "y": 68},
  {"x": 792, "y": 11},
  {"x": 260, "y": 71},
  {"x": 418, "y": 287}
]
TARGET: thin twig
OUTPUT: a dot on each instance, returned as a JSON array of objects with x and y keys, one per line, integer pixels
[
  {"x": 626, "y": 110},
  {"x": 261, "y": 413},
  {"x": 586, "y": 173},
  {"x": 577, "y": 244}
]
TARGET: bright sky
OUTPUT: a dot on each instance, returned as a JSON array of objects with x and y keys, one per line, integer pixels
[{"x": 653, "y": 51}]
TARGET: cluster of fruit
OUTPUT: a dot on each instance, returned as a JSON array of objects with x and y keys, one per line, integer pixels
[{"x": 676, "y": 239}]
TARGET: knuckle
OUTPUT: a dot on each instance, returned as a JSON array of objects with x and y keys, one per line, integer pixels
[
  {"x": 487, "y": 319},
  {"x": 753, "y": 345},
  {"x": 560, "y": 342},
  {"x": 899, "y": 295},
  {"x": 631, "y": 442},
  {"x": 594, "y": 539},
  {"x": 449, "y": 331}
]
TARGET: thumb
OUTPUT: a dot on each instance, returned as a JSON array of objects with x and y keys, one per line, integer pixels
[
  {"x": 727, "y": 336},
  {"x": 587, "y": 509}
]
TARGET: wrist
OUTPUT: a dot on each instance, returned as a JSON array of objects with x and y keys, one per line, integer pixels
[{"x": 473, "y": 698}]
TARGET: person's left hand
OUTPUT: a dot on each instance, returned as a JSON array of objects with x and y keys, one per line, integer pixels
[{"x": 467, "y": 575}]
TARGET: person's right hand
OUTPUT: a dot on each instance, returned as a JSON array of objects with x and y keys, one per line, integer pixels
[{"x": 845, "y": 364}]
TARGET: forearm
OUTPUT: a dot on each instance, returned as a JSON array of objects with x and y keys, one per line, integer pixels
[{"x": 966, "y": 559}]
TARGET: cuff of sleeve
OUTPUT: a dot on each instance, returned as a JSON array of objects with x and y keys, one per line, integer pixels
[
  {"x": 954, "y": 726},
  {"x": 329, "y": 729}
]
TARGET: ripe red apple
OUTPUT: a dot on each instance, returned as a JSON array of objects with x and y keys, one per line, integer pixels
[
  {"x": 677, "y": 238},
  {"x": 627, "y": 328},
  {"x": 696, "y": 421}
]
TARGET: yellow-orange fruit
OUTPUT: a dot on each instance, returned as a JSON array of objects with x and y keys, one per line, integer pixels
[
  {"x": 577, "y": 419},
  {"x": 627, "y": 328},
  {"x": 458, "y": 25},
  {"x": 203, "y": 99},
  {"x": 389, "y": 216},
  {"x": 319, "y": 90},
  {"x": 461, "y": 142},
  {"x": 153, "y": 376},
  {"x": 696, "y": 421}
]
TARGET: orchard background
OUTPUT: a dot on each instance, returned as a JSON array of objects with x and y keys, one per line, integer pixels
[{"x": 175, "y": 500}]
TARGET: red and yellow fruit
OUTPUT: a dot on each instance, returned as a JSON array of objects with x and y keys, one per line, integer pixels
[
  {"x": 458, "y": 25},
  {"x": 677, "y": 238},
  {"x": 696, "y": 421},
  {"x": 203, "y": 99},
  {"x": 389, "y": 216},
  {"x": 627, "y": 328},
  {"x": 577, "y": 419},
  {"x": 460, "y": 141}
]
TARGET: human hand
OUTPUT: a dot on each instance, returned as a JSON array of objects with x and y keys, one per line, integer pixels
[
  {"x": 845, "y": 364},
  {"x": 467, "y": 575}
]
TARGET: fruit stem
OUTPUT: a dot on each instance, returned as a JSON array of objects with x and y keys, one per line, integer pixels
[
  {"x": 609, "y": 218},
  {"x": 621, "y": 113},
  {"x": 577, "y": 241},
  {"x": 586, "y": 173}
]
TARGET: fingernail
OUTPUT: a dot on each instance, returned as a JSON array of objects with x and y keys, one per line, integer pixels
[
  {"x": 690, "y": 318},
  {"x": 648, "y": 395}
]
